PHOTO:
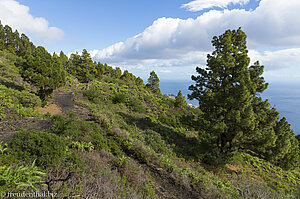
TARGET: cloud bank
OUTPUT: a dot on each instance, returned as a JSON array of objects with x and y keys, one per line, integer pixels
[
  {"x": 198, "y": 5},
  {"x": 180, "y": 42},
  {"x": 18, "y": 17}
]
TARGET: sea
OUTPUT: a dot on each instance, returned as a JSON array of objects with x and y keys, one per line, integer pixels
[{"x": 285, "y": 97}]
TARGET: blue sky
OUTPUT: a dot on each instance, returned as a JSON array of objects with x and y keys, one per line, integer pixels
[{"x": 171, "y": 37}]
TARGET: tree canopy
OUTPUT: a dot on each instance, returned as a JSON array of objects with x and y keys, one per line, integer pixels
[
  {"x": 13, "y": 42},
  {"x": 153, "y": 82},
  {"x": 180, "y": 100},
  {"x": 236, "y": 118},
  {"x": 44, "y": 71},
  {"x": 82, "y": 66}
]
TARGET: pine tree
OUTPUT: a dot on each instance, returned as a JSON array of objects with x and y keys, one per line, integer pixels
[
  {"x": 63, "y": 59},
  {"x": 286, "y": 151},
  {"x": 26, "y": 47},
  {"x": 223, "y": 90},
  {"x": 128, "y": 77},
  {"x": 87, "y": 66},
  {"x": 100, "y": 70},
  {"x": 262, "y": 138},
  {"x": 2, "y": 37},
  {"x": 236, "y": 117},
  {"x": 139, "y": 81},
  {"x": 43, "y": 71},
  {"x": 82, "y": 66},
  {"x": 9, "y": 39},
  {"x": 117, "y": 73},
  {"x": 153, "y": 82},
  {"x": 180, "y": 100}
]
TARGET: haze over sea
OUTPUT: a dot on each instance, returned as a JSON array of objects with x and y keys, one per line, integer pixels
[{"x": 285, "y": 97}]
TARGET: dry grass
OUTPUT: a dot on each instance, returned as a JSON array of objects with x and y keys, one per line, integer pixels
[{"x": 53, "y": 109}]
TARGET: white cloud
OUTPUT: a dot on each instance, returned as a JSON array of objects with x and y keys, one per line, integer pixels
[
  {"x": 198, "y": 5},
  {"x": 276, "y": 60},
  {"x": 18, "y": 17},
  {"x": 165, "y": 71},
  {"x": 182, "y": 43}
]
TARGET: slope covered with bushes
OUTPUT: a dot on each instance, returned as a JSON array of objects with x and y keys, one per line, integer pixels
[{"x": 135, "y": 142}]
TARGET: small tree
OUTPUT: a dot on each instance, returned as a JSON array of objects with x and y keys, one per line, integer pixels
[
  {"x": 128, "y": 77},
  {"x": 63, "y": 59},
  {"x": 286, "y": 150},
  {"x": 180, "y": 100},
  {"x": 117, "y": 73},
  {"x": 139, "y": 81},
  {"x": 153, "y": 82}
]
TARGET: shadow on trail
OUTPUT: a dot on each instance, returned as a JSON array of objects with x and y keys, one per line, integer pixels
[{"x": 65, "y": 101}]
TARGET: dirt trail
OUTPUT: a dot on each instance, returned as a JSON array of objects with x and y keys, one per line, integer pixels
[
  {"x": 65, "y": 101},
  {"x": 167, "y": 187},
  {"x": 7, "y": 127},
  {"x": 61, "y": 103}
]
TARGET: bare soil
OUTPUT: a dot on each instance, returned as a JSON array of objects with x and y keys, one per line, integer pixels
[
  {"x": 53, "y": 109},
  {"x": 61, "y": 102}
]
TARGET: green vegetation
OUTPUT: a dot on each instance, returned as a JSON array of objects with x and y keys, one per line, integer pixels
[
  {"x": 21, "y": 178},
  {"x": 180, "y": 100},
  {"x": 125, "y": 139},
  {"x": 153, "y": 82},
  {"x": 235, "y": 117},
  {"x": 46, "y": 148},
  {"x": 43, "y": 71}
]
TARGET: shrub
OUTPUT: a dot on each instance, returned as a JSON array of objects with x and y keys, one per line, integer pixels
[
  {"x": 46, "y": 148},
  {"x": 99, "y": 141},
  {"x": 157, "y": 143},
  {"x": 137, "y": 105},
  {"x": 66, "y": 126},
  {"x": 28, "y": 99},
  {"x": 119, "y": 98},
  {"x": 14, "y": 101}
]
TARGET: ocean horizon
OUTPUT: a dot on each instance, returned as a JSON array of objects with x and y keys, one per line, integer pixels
[{"x": 285, "y": 97}]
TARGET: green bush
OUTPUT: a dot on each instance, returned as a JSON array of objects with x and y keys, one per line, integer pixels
[
  {"x": 157, "y": 143},
  {"x": 18, "y": 102},
  {"x": 66, "y": 126},
  {"x": 28, "y": 99},
  {"x": 169, "y": 119},
  {"x": 136, "y": 105},
  {"x": 119, "y": 98},
  {"x": 46, "y": 148},
  {"x": 99, "y": 141}
]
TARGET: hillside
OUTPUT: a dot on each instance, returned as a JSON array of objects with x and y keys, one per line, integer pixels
[{"x": 98, "y": 132}]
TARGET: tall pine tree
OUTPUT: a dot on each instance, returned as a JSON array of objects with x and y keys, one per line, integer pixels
[
  {"x": 223, "y": 90},
  {"x": 236, "y": 117}
]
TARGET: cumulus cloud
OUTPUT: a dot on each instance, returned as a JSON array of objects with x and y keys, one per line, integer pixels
[
  {"x": 174, "y": 42},
  {"x": 18, "y": 17},
  {"x": 276, "y": 60},
  {"x": 198, "y": 5}
]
